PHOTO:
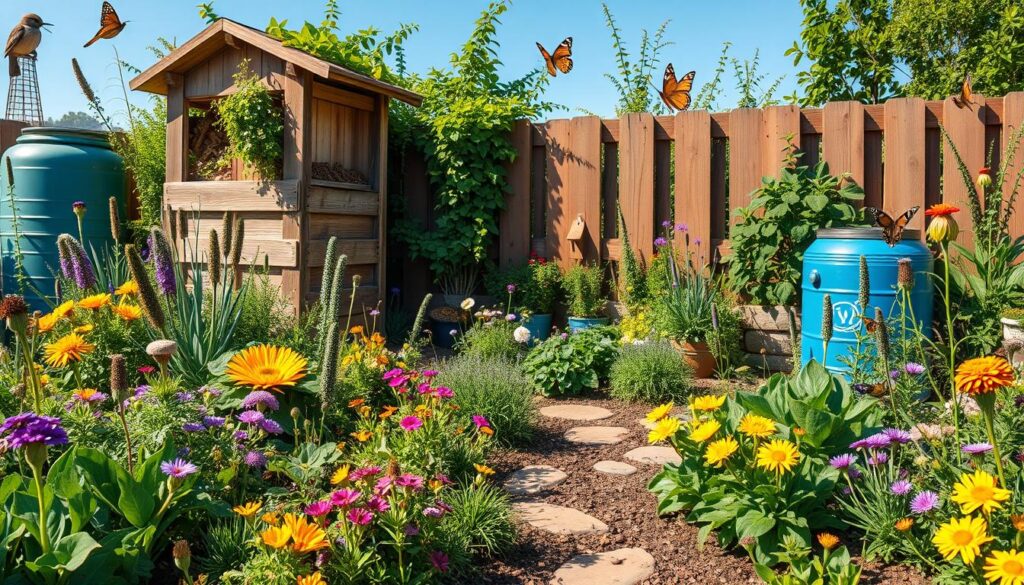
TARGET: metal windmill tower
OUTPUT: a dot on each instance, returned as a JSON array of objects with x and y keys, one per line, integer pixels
[{"x": 23, "y": 100}]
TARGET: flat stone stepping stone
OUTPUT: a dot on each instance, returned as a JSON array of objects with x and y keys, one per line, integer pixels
[
  {"x": 654, "y": 455},
  {"x": 596, "y": 435},
  {"x": 559, "y": 519},
  {"x": 576, "y": 412},
  {"x": 533, "y": 479},
  {"x": 614, "y": 468},
  {"x": 625, "y": 566}
]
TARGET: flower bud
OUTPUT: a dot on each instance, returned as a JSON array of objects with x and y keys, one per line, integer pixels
[
  {"x": 78, "y": 207},
  {"x": 826, "y": 318},
  {"x": 182, "y": 555},
  {"x": 904, "y": 274},
  {"x": 984, "y": 178},
  {"x": 864, "y": 288},
  {"x": 943, "y": 229},
  {"x": 118, "y": 378}
]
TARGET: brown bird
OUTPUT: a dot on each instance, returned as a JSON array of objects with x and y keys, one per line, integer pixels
[
  {"x": 110, "y": 24},
  {"x": 23, "y": 41}
]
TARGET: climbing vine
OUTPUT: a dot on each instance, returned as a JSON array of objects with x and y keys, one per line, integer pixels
[{"x": 253, "y": 124}]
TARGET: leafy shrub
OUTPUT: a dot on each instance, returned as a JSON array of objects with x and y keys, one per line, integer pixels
[
  {"x": 253, "y": 124},
  {"x": 583, "y": 290},
  {"x": 481, "y": 518},
  {"x": 569, "y": 364},
  {"x": 769, "y": 241},
  {"x": 495, "y": 388},
  {"x": 263, "y": 314},
  {"x": 537, "y": 286},
  {"x": 491, "y": 340},
  {"x": 650, "y": 372}
]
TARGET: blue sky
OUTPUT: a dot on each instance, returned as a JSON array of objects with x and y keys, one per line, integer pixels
[{"x": 698, "y": 30}]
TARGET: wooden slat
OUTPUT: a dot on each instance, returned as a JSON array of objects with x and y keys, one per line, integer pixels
[
  {"x": 176, "y": 165},
  {"x": 636, "y": 181},
  {"x": 584, "y": 194},
  {"x": 381, "y": 135},
  {"x": 514, "y": 221},
  {"x": 358, "y": 252},
  {"x": 610, "y": 190},
  {"x": 693, "y": 177},
  {"x": 280, "y": 253},
  {"x": 558, "y": 138},
  {"x": 966, "y": 128},
  {"x": 781, "y": 129},
  {"x": 842, "y": 139},
  {"x": 904, "y": 157},
  {"x": 343, "y": 201},
  {"x": 1013, "y": 119},
  {"x": 342, "y": 97},
  {"x": 232, "y": 195},
  {"x": 745, "y": 145}
]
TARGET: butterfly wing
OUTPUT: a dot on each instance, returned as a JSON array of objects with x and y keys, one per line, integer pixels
[
  {"x": 562, "y": 57},
  {"x": 966, "y": 97},
  {"x": 108, "y": 16},
  {"x": 547, "y": 59},
  {"x": 870, "y": 324},
  {"x": 895, "y": 233},
  {"x": 676, "y": 93}
]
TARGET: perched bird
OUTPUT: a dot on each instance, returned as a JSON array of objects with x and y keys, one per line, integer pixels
[
  {"x": 24, "y": 40},
  {"x": 110, "y": 24}
]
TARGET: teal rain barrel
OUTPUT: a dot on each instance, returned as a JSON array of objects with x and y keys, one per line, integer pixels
[
  {"x": 832, "y": 266},
  {"x": 53, "y": 168}
]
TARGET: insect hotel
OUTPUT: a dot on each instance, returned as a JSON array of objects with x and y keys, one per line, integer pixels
[{"x": 332, "y": 177}]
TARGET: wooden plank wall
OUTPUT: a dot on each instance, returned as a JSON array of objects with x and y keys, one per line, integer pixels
[{"x": 697, "y": 168}]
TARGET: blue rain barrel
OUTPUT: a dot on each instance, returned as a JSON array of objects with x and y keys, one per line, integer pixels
[
  {"x": 832, "y": 266},
  {"x": 53, "y": 168}
]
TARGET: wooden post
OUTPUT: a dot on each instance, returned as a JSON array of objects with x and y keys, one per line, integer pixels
[
  {"x": 558, "y": 220},
  {"x": 298, "y": 91},
  {"x": 584, "y": 193},
  {"x": 745, "y": 145},
  {"x": 842, "y": 139},
  {"x": 636, "y": 180},
  {"x": 781, "y": 129},
  {"x": 1013, "y": 118},
  {"x": 904, "y": 158},
  {"x": 693, "y": 178},
  {"x": 514, "y": 222},
  {"x": 382, "y": 189},
  {"x": 966, "y": 128}
]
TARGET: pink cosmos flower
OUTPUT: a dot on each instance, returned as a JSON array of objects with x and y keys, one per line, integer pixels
[
  {"x": 429, "y": 373},
  {"x": 411, "y": 423},
  {"x": 439, "y": 560},
  {"x": 444, "y": 392},
  {"x": 480, "y": 421},
  {"x": 320, "y": 508},
  {"x": 362, "y": 472},
  {"x": 345, "y": 497},
  {"x": 359, "y": 516},
  {"x": 392, "y": 373},
  {"x": 378, "y": 504},
  {"x": 383, "y": 486},
  {"x": 423, "y": 388},
  {"x": 409, "y": 480}
]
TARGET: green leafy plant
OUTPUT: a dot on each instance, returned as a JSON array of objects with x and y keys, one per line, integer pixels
[
  {"x": 633, "y": 83},
  {"x": 253, "y": 124},
  {"x": 570, "y": 364},
  {"x": 685, "y": 291},
  {"x": 650, "y": 372},
  {"x": 492, "y": 339},
  {"x": 495, "y": 388},
  {"x": 583, "y": 286},
  {"x": 481, "y": 518},
  {"x": 537, "y": 286},
  {"x": 804, "y": 568},
  {"x": 769, "y": 241}
]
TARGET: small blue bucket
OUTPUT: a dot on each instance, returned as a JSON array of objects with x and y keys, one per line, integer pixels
[
  {"x": 539, "y": 326},
  {"x": 442, "y": 331},
  {"x": 581, "y": 323}
]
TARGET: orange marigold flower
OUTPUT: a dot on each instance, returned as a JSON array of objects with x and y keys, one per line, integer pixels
[
  {"x": 983, "y": 375},
  {"x": 1018, "y": 521},
  {"x": 276, "y": 536},
  {"x": 827, "y": 540},
  {"x": 940, "y": 209},
  {"x": 388, "y": 411},
  {"x": 904, "y": 524},
  {"x": 307, "y": 536},
  {"x": 356, "y": 402}
]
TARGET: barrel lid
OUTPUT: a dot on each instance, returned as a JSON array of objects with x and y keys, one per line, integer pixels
[
  {"x": 861, "y": 233},
  {"x": 63, "y": 131}
]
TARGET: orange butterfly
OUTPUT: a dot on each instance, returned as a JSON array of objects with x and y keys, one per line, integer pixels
[
  {"x": 871, "y": 324},
  {"x": 676, "y": 92},
  {"x": 892, "y": 229},
  {"x": 561, "y": 60},
  {"x": 964, "y": 99},
  {"x": 110, "y": 24}
]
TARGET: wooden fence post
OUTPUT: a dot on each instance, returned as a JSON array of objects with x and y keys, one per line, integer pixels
[
  {"x": 584, "y": 193},
  {"x": 966, "y": 128},
  {"x": 636, "y": 180},
  {"x": 558, "y": 146},
  {"x": 842, "y": 139},
  {"x": 693, "y": 178},
  {"x": 1013, "y": 118},
  {"x": 781, "y": 128},
  {"x": 514, "y": 221},
  {"x": 904, "y": 157}
]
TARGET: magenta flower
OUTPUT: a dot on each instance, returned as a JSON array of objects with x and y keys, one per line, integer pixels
[
  {"x": 424, "y": 388},
  {"x": 362, "y": 472},
  {"x": 241, "y": 436},
  {"x": 901, "y": 487},
  {"x": 383, "y": 486},
  {"x": 924, "y": 502},
  {"x": 875, "y": 441},
  {"x": 444, "y": 392},
  {"x": 660, "y": 242},
  {"x": 178, "y": 468},
  {"x": 913, "y": 368},
  {"x": 843, "y": 461},
  {"x": 878, "y": 458},
  {"x": 511, "y": 288},
  {"x": 345, "y": 497},
  {"x": 251, "y": 417},
  {"x": 271, "y": 427},
  {"x": 897, "y": 435},
  {"x": 29, "y": 428},
  {"x": 976, "y": 448},
  {"x": 392, "y": 373},
  {"x": 359, "y": 516},
  {"x": 409, "y": 480},
  {"x": 432, "y": 512},
  {"x": 439, "y": 560},
  {"x": 319, "y": 508},
  {"x": 429, "y": 373},
  {"x": 411, "y": 423},
  {"x": 260, "y": 399},
  {"x": 255, "y": 459},
  {"x": 378, "y": 504},
  {"x": 480, "y": 421}
]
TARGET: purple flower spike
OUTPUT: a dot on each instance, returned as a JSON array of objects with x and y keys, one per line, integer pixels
[
  {"x": 193, "y": 427},
  {"x": 924, "y": 502}
]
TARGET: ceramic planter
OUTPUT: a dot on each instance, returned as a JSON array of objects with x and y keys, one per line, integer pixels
[
  {"x": 539, "y": 326},
  {"x": 698, "y": 356},
  {"x": 581, "y": 323}
]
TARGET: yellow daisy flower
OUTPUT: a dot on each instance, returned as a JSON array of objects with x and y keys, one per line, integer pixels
[
  {"x": 45, "y": 323},
  {"x": 276, "y": 536},
  {"x": 94, "y": 302},
  {"x": 961, "y": 536},
  {"x": 778, "y": 455},
  {"x": 663, "y": 429},
  {"x": 127, "y": 311},
  {"x": 266, "y": 367},
  {"x": 704, "y": 431},
  {"x": 64, "y": 309},
  {"x": 708, "y": 402},
  {"x": 248, "y": 510},
  {"x": 760, "y": 427},
  {"x": 1005, "y": 567},
  {"x": 128, "y": 288},
  {"x": 720, "y": 451},
  {"x": 979, "y": 491},
  {"x": 340, "y": 474},
  {"x": 70, "y": 348},
  {"x": 660, "y": 412}
]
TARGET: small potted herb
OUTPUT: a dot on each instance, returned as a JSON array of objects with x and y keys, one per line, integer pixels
[
  {"x": 540, "y": 295},
  {"x": 1013, "y": 333},
  {"x": 584, "y": 296}
]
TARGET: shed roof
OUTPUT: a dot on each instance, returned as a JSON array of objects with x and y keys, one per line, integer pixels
[{"x": 225, "y": 32}]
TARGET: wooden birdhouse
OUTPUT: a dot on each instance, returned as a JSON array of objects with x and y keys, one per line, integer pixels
[{"x": 332, "y": 179}]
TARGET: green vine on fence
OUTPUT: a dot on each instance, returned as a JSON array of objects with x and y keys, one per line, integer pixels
[{"x": 253, "y": 124}]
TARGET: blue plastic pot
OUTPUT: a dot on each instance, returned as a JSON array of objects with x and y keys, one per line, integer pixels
[
  {"x": 539, "y": 326},
  {"x": 442, "y": 332},
  {"x": 581, "y": 323}
]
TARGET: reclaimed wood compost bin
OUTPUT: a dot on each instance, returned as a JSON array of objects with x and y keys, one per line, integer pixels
[{"x": 332, "y": 180}]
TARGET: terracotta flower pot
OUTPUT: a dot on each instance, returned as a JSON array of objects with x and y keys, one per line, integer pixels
[{"x": 698, "y": 356}]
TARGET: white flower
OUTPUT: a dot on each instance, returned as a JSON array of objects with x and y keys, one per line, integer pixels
[
  {"x": 468, "y": 304},
  {"x": 521, "y": 334},
  {"x": 510, "y": 317}
]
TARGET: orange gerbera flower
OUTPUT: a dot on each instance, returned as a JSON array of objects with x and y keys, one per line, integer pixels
[
  {"x": 276, "y": 536},
  {"x": 70, "y": 348},
  {"x": 127, "y": 311},
  {"x": 45, "y": 323},
  {"x": 95, "y": 301},
  {"x": 64, "y": 309},
  {"x": 983, "y": 375},
  {"x": 307, "y": 537},
  {"x": 940, "y": 209},
  {"x": 266, "y": 367}
]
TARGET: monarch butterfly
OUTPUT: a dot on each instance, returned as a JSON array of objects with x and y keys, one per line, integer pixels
[
  {"x": 676, "y": 92},
  {"x": 561, "y": 60},
  {"x": 892, "y": 229},
  {"x": 871, "y": 324},
  {"x": 110, "y": 24},
  {"x": 964, "y": 100},
  {"x": 876, "y": 390}
]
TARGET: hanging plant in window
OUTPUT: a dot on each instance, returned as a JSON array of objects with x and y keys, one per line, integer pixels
[{"x": 252, "y": 121}]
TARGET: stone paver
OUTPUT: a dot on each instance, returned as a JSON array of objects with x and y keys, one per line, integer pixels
[
  {"x": 654, "y": 455},
  {"x": 596, "y": 435},
  {"x": 533, "y": 479},
  {"x": 614, "y": 467},
  {"x": 576, "y": 412},
  {"x": 625, "y": 566},
  {"x": 558, "y": 519}
]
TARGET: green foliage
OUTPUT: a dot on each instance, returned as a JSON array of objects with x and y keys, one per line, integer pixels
[
  {"x": 263, "y": 314},
  {"x": 633, "y": 83},
  {"x": 749, "y": 83},
  {"x": 684, "y": 291},
  {"x": 769, "y": 241},
  {"x": 253, "y": 124},
  {"x": 650, "y": 372},
  {"x": 538, "y": 285},
  {"x": 583, "y": 286},
  {"x": 492, "y": 339},
  {"x": 495, "y": 388},
  {"x": 833, "y": 567},
  {"x": 570, "y": 364},
  {"x": 481, "y": 518},
  {"x": 221, "y": 550},
  {"x": 632, "y": 279}
]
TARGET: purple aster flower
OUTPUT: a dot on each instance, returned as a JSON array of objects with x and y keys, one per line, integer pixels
[
  {"x": 843, "y": 461},
  {"x": 432, "y": 512},
  {"x": 374, "y": 312},
  {"x": 875, "y": 441},
  {"x": 444, "y": 392},
  {"x": 178, "y": 468},
  {"x": 901, "y": 487},
  {"x": 241, "y": 436},
  {"x": 976, "y": 448},
  {"x": 511, "y": 288},
  {"x": 271, "y": 426},
  {"x": 439, "y": 560},
  {"x": 378, "y": 504},
  {"x": 666, "y": 224},
  {"x": 359, "y": 516},
  {"x": 211, "y": 391},
  {"x": 193, "y": 427},
  {"x": 924, "y": 502},
  {"x": 213, "y": 421},
  {"x": 897, "y": 435},
  {"x": 878, "y": 458},
  {"x": 184, "y": 397},
  {"x": 913, "y": 368},
  {"x": 345, "y": 497},
  {"x": 260, "y": 399},
  {"x": 411, "y": 530},
  {"x": 319, "y": 508},
  {"x": 251, "y": 417},
  {"x": 894, "y": 374},
  {"x": 255, "y": 459},
  {"x": 29, "y": 428},
  {"x": 408, "y": 480},
  {"x": 660, "y": 242},
  {"x": 383, "y": 485},
  {"x": 411, "y": 423},
  {"x": 855, "y": 473},
  {"x": 681, "y": 227}
]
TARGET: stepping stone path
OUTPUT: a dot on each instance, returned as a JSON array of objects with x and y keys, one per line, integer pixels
[
  {"x": 626, "y": 566},
  {"x": 576, "y": 412},
  {"x": 596, "y": 435},
  {"x": 654, "y": 455},
  {"x": 534, "y": 479},
  {"x": 614, "y": 468},
  {"x": 559, "y": 519}
]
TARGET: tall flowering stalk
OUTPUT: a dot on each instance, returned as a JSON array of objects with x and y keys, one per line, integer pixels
[
  {"x": 980, "y": 378},
  {"x": 14, "y": 311},
  {"x": 942, "y": 230},
  {"x": 163, "y": 262},
  {"x": 74, "y": 262},
  {"x": 826, "y": 326}
]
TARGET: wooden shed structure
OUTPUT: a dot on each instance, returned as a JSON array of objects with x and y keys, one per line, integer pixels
[{"x": 334, "y": 118}]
